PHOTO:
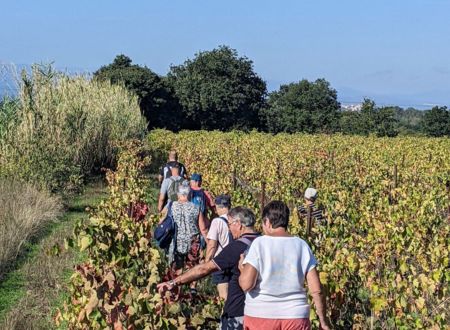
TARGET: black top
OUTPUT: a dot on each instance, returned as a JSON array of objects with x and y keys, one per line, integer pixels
[
  {"x": 228, "y": 260},
  {"x": 165, "y": 170}
]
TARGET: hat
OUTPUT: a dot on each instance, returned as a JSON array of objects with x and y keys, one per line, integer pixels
[
  {"x": 310, "y": 193},
  {"x": 196, "y": 177},
  {"x": 223, "y": 201}
]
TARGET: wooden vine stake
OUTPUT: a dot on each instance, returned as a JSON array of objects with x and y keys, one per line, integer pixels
[
  {"x": 309, "y": 221},
  {"x": 447, "y": 186},
  {"x": 263, "y": 196},
  {"x": 395, "y": 176}
]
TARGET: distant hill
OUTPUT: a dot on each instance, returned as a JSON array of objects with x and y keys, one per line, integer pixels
[{"x": 422, "y": 101}]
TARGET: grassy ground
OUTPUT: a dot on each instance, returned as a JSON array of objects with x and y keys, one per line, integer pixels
[{"x": 31, "y": 292}]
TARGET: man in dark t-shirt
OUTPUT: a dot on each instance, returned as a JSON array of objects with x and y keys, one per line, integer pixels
[
  {"x": 165, "y": 172},
  {"x": 241, "y": 222}
]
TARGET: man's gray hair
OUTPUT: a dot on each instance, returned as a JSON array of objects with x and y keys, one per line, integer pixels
[
  {"x": 183, "y": 190},
  {"x": 244, "y": 215}
]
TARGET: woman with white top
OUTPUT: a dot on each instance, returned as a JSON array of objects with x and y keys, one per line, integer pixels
[{"x": 273, "y": 274}]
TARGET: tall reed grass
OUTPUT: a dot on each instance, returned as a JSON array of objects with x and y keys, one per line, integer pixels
[{"x": 66, "y": 128}]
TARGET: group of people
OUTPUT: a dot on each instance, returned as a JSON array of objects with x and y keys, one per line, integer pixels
[{"x": 260, "y": 276}]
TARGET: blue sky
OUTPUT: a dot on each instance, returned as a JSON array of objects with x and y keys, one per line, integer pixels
[{"x": 393, "y": 51}]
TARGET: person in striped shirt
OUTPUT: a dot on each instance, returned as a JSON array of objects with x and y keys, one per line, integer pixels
[{"x": 316, "y": 213}]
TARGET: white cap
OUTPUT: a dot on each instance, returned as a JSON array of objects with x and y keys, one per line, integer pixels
[{"x": 310, "y": 193}]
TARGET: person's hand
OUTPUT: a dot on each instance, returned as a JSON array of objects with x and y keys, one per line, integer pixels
[
  {"x": 164, "y": 286},
  {"x": 162, "y": 215}
]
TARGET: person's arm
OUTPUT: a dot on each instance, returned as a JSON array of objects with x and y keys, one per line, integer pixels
[
  {"x": 203, "y": 225},
  {"x": 163, "y": 215},
  {"x": 209, "y": 201},
  {"x": 162, "y": 194},
  {"x": 211, "y": 248},
  {"x": 192, "y": 275},
  {"x": 248, "y": 277},
  {"x": 161, "y": 202},
  {"x": 161, "y": 175},
  {"x": 185, "y": 173},
  {"x": 315, "y": 289}
]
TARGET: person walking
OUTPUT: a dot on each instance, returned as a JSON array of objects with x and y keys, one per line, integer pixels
[
  {"x": 273, "y": 274},
  {"x": 217, "y": 239},
  {"x": 169, "y": 187},
  {"x": 187, "y": 239},
  {"x": 202, "y": 198},
  {"x": 165, "y": 172},
  {"x": 241, "y": 222}
]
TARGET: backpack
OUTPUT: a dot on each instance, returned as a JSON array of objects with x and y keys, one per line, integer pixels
[
  {"x": 166, "y": 170},
  {"x": 247, "y": 242},
  {"x": 198, "y": 198},
  {"x": 172, "y": 190},
  {"x": 166, "y": 230}
]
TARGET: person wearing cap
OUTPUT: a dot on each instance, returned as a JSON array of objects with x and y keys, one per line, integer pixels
[
  {"x": 310, "y": 199},
  {"x": 199, "y": 195},
  {"x": 202, "y": 198},
  {"x": 218, "y": 238},
  {"x": 165, "y": 171}
]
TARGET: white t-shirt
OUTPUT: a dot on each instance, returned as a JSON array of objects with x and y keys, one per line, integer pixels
[
  {"x": 219, "y": 232},
  {"x": 282, "y": 264}
]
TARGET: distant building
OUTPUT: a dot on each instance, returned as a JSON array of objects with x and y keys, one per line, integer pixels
[{"x": 351, "y": 107}]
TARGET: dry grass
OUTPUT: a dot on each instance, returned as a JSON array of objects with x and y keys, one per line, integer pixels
[
  {"x": 24, "y": 211},
  {"x": 45, "y": 275}
]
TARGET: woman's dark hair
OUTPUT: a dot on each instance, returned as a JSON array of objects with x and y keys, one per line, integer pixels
[{"x": 278, "y": 214}]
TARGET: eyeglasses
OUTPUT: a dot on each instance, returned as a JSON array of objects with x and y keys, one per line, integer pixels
[{"x": 232, "y": 222}]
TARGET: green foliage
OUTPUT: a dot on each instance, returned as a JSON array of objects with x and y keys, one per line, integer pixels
[
  {"x": 409, "y": 120},
  {"x": 387, "y": 123},
  {"x": 383, "y": 252},
  {"x": 305, "y": 106},
  {"x": 116, "y": 287},
  {"x": 370, "y": 120},
  {"x": 351, "y": 122},
  {"x": 65, "y": 128},
  {"x": 436, "y": 122},
  {"x": 8, "y": 116},
  {"x": 218, "y": 90},
  {"x": 155, "y": 97}
]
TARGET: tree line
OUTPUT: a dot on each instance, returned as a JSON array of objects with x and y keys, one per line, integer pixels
[{"x": 219, "y": 89}]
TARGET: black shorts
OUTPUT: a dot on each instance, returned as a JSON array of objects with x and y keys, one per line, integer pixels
[{"x": 220, "y": 277}]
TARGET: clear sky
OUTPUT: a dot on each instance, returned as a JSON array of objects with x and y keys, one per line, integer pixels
[{"x": 391, "y": 50}]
